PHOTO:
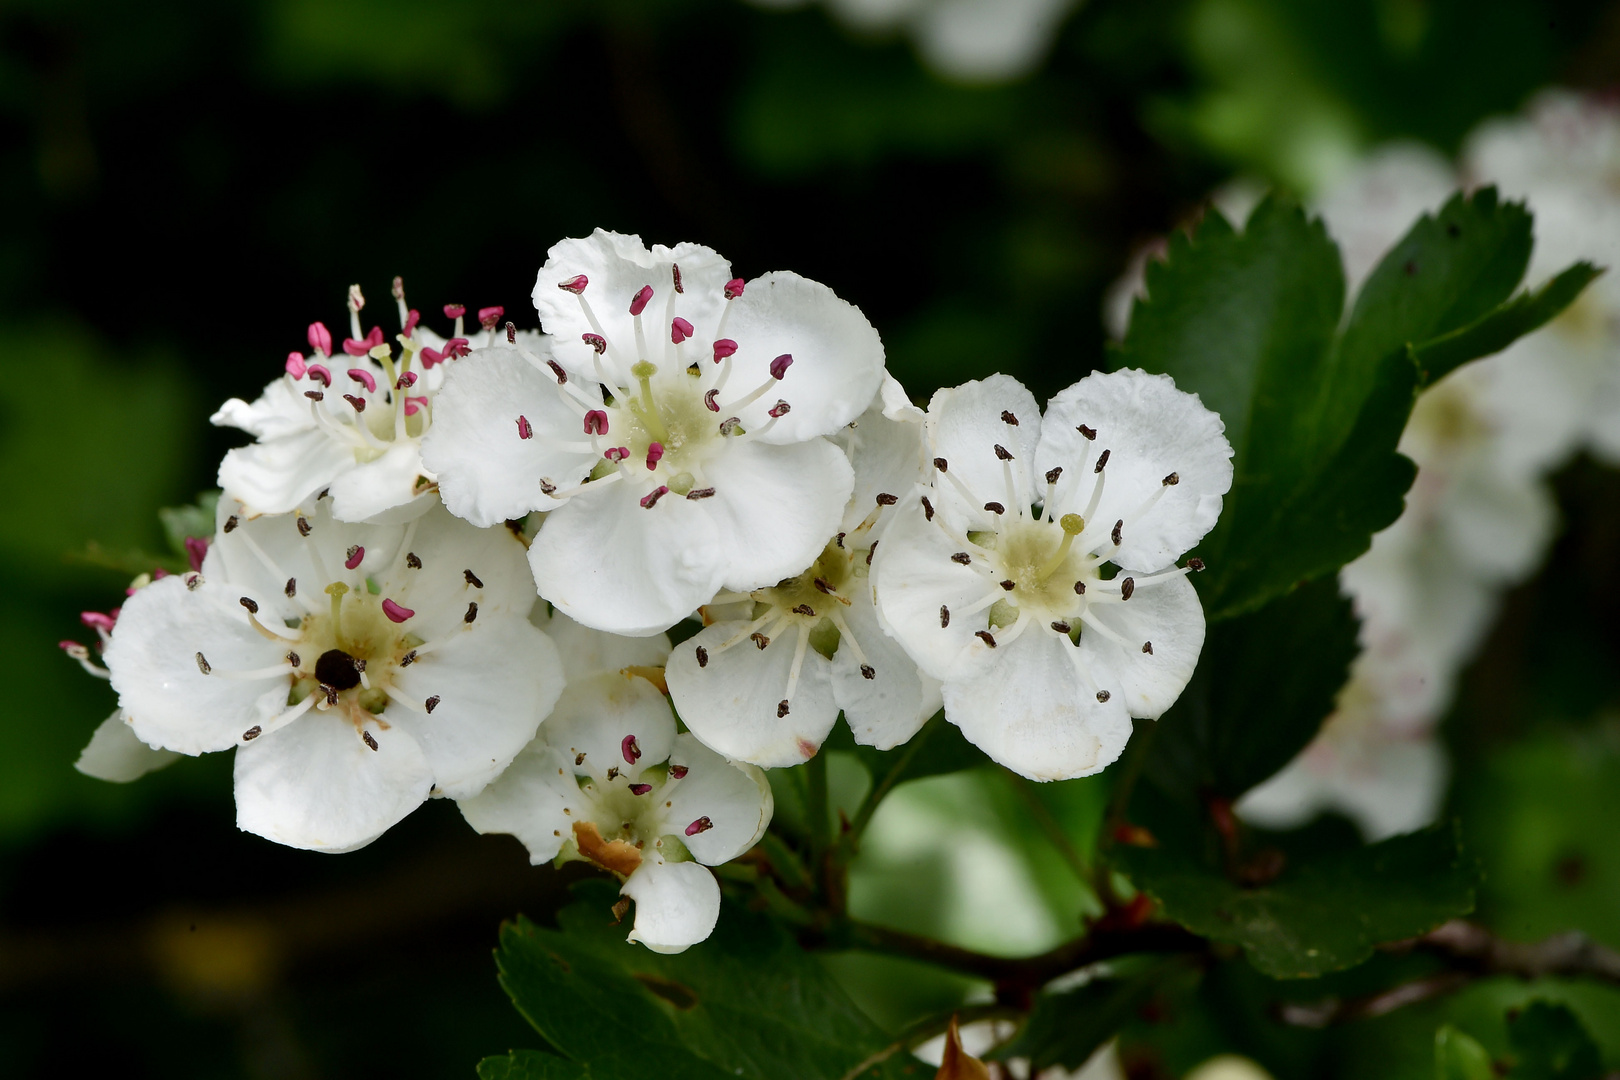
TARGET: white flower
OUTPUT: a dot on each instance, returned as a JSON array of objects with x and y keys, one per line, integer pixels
[
  {"x": 356, "y": 668},
  {"x": 609, "y": 781},
  {"x": 114, "y": 752},
  {"x": 1043, "y": 658},
  {"x": 349, "y": 422},
  {"x": 696, "y": 402},
  {"x": 765, "y": 681}
]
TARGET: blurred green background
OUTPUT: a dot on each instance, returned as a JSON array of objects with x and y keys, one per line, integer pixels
[{"x": 186, "y": 185}]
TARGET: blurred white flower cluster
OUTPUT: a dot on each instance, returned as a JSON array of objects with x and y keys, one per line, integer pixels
[
  {"x": 447, "y": 565},
  {"x": 1480, "y": 516}
]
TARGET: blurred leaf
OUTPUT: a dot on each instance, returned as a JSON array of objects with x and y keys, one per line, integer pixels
[
  {"x": 1549, "y": 1043},
  {"x": 531, "y": 1065},
  {"x": 1460, "y": 1057},
  {"x": 1264, "y": 683},
  {"x": 748, "y": 1002},
  {"x": 195, "y": 520},
  {"x": 1320, "y": 914},
  {"x": 937, "y": 748},
  {"x": 1067, "y": 1028}
]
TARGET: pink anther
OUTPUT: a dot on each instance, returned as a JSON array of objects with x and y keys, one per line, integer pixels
[
  {"x": 489, "y": 316},
  {"x": 575, "y": 284},
  {"x": 196, "y": 549},
  {"x": 724, "y": 348},
  {"x": 524, "y": 430},
  {"x": 781, "y": 408},
  {"x": 701, "y": 825},
  {"x": 405, "y": 381},
  {"x": 398, "y": 288},
  {"x": 616, "y": 454},
  {"x": 373, "y": 338},
  {"x": 630, "y": 749},
  {"x": 640, "y": 789},
  {"x": 356, "y": 554},
  {"x": 318, "y": 371},
  {"x": 734, "y": 288},
  {"x": 74, "y": 649},
  {"x": 780, "y": 365},
  {"x": 105, "y": 623},
  {"x": 596, "y": 422},
  {"x": 359, "y": 403},
  {"x": 679, "y": 330},
  {"x": 414, "y": 404},
  {"x": 295, "y": 365},
  {"x": 395, "y": 612},
  {"x": 320, "y": 338},
  {"x": 709, "y": 400},
  {"x": 361, "y": 375},
  {"x": 454, "y": 311},
  {"x": 655, "y": 454},
  {"x": 411, "y": 319},
  {"x": 677, "y": 772},
  {"x": 650, "y": 500},
  {"x": 639, "y": 302},
  {"x": 595, "y": 341},
  {"x": 456, "y": 348}
]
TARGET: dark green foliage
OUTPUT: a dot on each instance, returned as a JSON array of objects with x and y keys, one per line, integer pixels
[
  {"x": 1067, "y": 1028},
  {"x": 531, "y": 1065},
  {"x": 1549, "y": 1043}
]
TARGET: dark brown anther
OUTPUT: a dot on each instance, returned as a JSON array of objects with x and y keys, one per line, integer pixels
[
  {"x": 839, "y": 540},
  {"x": 822, "y": 586},
  {"x": 678, "y": 772},
  {"x": 995, "y": 508},
  {"x": 366, "y": 735},
  {"x": 944, "y": 616},
  {"x": 1061, "y": 627},
  {"x": 928, "y": 509},
  {"x": 781, "y": 708},
  {"x": 579, "y": 759},
  {"x": 986, "y": 636},
  {"x": 1119, "y": 527},
  {"x": 252, "y": 733},
  {"x": 303, "y": 526},
  {"x": 1127, "y": 588},
  {"x": 870, "y": 552},
  {"x": 700, "y": 493},
  {"x": 1147, "y": 647},
  {"x": 249, "y": 603},
  {"x": 702, "y": 657},
  {"x": 231, "y": 523},
  {"x": 1079, "y": 588},
  {"x": 432, "y": 703},
  {"x": 675, "y": 271},
  {"x": 408, "y": 659},
  {"x": 359, "y": 665},
  {"x": 291, "y": 588},
  {"x": 315, "y": 395},
  {"x": 511, "y": 334},
  {"x": 202, "y": 664},
  {"x": 613, "y": 773},
  {"x": 939, "y": 463},
  {"x": 1102, "y": 461},
  {"x": 1053, "y": 474},
  {"x": 472, "y": 579},
  {"x": 331, "y": 694},
  {"x": 472, "y": 612},
  {"x": 294, "y": 659},
  {"x": 354, "y": 549},
  {"x": 1103, "y": 695},
  {"x": 192, "y": 581},
  {"x": 547, "y": 487},
  {"x": 867, "y": 672},
  {"x": 1172, "y": 480},
  {"x": 1008, "y": 418},
  {"x": 759, "y": 640},
  {"x": 803, "y": 609},
  {"x": 415, "y": 563},
  {"x": 962, "y": 557},
  {"x": 1003, "y": 453},
  {"x": 359, "y": 403},
  {"x": 885, "y": 499},
  {"x": 1008, "y": 585},
  {"x": 1089, "y": 433},
  {"x": 1195, "y": 564}
]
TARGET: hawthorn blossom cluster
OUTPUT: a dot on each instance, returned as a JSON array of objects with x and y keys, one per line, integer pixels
[{"x": 448, "y": 566}]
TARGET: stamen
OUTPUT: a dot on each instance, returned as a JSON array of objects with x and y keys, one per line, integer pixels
[
  {"x": 679, "y": 330},
  {"x": 678, "y": 772},
  {"x": 780, "y": 365},
  {"x": 944, "y": 616},
  {"x": 702, "y": 657},
  {"x": 700, "y": 493},
  {"x": 282, "y": 719},
  {"x": 524, "y": 430},
  {"x": 630, "y": 749},
  {"x": 356, "y": 554},
  {"x": 1008, "y": 418},
  {"x": 986, "y": 636},
  {"x": 596, "y": 422},
  {"x": 320, "y": 338},
  {"x": 701, "y": 825},
  {"x": 1147, "y": 647},
  {"x": 412, "y": 560},
  {"x": 472, "y": 613},
  {"x": 650, "y": 500},
  {"x": 1103, "y": 695},
  {"x": 639, "y": 302},
  {"x": 640, "y": 789},
  {"x": 472, "y": 579},
  {"x": 655, "y": 454},
  {"x": 1089, "y": 433},
  {"x": 361, "y": 375},
  {"x": 395, "y": 612},
  {"x": 575, "y": 285},
  {"x": 1126, "y": 588}
]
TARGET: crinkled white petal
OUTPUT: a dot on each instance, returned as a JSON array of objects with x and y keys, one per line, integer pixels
[
  {"x": 274, "y": 476},
  {"x": 613, "y": 565},
  {"x": 1029, "y": 708},
  {"x": 153, "y": 661},
  {"x": 372, "y": 488},
  {"x": 316, "y": 784},
  {"x": 280, "y": 411},
  {"x": 896, "y": 404},
  {"x": 527, "y": 801},
  {"x": 732, "y": 702},
  {"x": 965, "y": 426},
  {"x": 115, "y": 754},
  {"x": 1165, "y": 613},
  {"x": 774, "y": 508},
  {"x": 596, "y": 714},
  {"x": 734, "y": 796},
  {"x": 495, "y": 682},
  {"x": 487, "y": 472},
  {"x": 837, "y": 357},
  {"x": 677, "y": 904},
  {"x": 1151, "y": 430},
  {"x": 587, "y": 652},
  {"x": 889, "y": 708}
]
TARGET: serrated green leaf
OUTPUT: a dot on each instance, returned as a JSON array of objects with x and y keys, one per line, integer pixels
[
  {"x": 1321, "y": 914},
  {"x": 1549, "y": 1043},
  {"x": 1460, "y": 1057},
  {"x": 532, "y": 1065},
  {"x": 1495, "y": 331},
  {"x": 1264, "y": 684}
]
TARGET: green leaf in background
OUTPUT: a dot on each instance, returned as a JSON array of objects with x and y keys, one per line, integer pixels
[
  {"x": 748, "y": 1002},
  {"x": 1460, "y": 1057},
  {"x": 1264, "y": 684},
  {"x": 1549, "y": 1043},
  {"x": 1066, "y": 1028},
  {"x": 193, "y": 520},
  {"x": 1320, "y": 914},
  {"x": 531, "y": 1065},
  {"x": 1250, "y": 322}
]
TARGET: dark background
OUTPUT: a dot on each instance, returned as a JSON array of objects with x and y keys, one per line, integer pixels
[{"x": 185, "y": 185}]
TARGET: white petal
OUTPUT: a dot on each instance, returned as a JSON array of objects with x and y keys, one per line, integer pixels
[
  {"x": 613, "y": 565},
  {"x": 734, "y": 796},
  {"x": 448, "y": 549},
  {"x": 837, "y": 357},
  {"x": 487, "y": 472},
  {"x": 280, "y": 411},
  {"x": 965, "y": 426},
  {"x": 677, "y": 904},
  {"x": 527, "y": 801},
  {"x": 598, "y": 712},
  {"x": 775, "y": 508},
  {"x": 315, "y": 784},
  {"x": 365, "y": 491},
  {"x": 274, "y": 476},
  {"x": 886, "y": 456},
  {"x": 495, "y": 683},
  {"x": 587, "y": 652},
  {"x": 115, "y": 754},
  {"x": 732, "y": 702},
  {"x": 618, "y": 266},
  {"x": 1032, "y": 711},
  {"x": 887, "y": 709},
  {"x": 914, "y": 576},
  {"x": 1151, "y": 430},
  {"x": 153, "y": 660},
  {"x": 1164, "y": 612},
  {"x": 896, "y": 404}
]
